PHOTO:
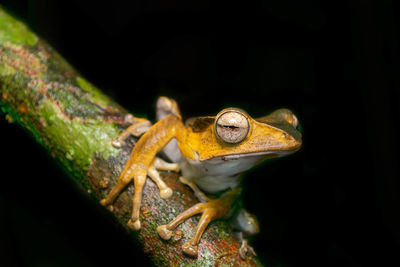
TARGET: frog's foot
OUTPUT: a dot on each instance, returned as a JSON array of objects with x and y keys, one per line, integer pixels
[
  {"x": 159, "y": 164},
  {"x": 138, "y": 127},
  {"x": 211, "y": 210},
  {"x": 138, "y": 175},
  {"x": 190, "y": 247},
  {"x": 246, "y": 248}
]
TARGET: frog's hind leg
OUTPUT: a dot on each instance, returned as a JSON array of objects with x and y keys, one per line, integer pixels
[
  {"x": 246, "y": 248},
  {"x": 211, "y": 210},
  {"x": 246, "y": 224}
]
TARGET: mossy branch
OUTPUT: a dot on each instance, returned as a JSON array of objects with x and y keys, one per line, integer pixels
[{"x": 76, "y": 123}]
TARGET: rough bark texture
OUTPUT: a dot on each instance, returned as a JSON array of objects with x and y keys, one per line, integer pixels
[{"x": 77, "y": 123}]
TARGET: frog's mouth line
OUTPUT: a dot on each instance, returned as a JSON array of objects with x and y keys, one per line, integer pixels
[
  {"x": 272, "y": 154},
  {"x": 255, "y": 154}
]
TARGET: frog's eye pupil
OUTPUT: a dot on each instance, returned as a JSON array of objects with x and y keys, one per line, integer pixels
[{"x": 232, "y": 127}]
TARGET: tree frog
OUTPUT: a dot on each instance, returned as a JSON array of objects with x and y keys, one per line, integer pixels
[{"x": 211, "y": 152}]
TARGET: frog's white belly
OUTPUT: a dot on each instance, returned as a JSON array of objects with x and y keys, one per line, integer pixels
[
  {"x": 208, "y": 183},
  {"x": 217, "y": 174}
]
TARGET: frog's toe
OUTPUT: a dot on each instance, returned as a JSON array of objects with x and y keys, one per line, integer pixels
[
  {"x": 152, "y": 172},
  {"x": 117, "y": 143},
  {"x": 163, "y": 232},
  {"x": 134, "y": 225},
  {"x": 110, "y": 208},
  {"x": 166, "y": 193},
  {"x": 104, "y": 203},
  {"x": 189, "y": 249},
  {"x": 175, "y": 168},
  {"x": 244, "y": 249},
  {"x": 162, "y": 165}
]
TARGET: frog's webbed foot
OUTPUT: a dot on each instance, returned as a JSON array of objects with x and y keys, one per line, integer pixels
[
  {"x": 246, "y": 248},
  {"x": 138, "y": 127},
  {"x": 210, "y": 210}
]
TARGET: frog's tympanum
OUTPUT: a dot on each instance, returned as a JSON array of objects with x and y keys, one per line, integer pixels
[{"x": 211, "y": 153}]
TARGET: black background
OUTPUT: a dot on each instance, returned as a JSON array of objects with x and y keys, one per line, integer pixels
[{"x": 334, "y": 203}]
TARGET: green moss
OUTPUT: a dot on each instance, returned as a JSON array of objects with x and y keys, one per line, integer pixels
[
  {"x": 89, "y": 136},
  {"x": 11, "y": 85},
  {"x": 10, "y": 112},
  {"x": 14, "y": 31},
  {"x": 94, "y": 93},
  {"x": 74, "y": 103},
  {"x": 206, "y": 259},
  {"x": 6, "y": 70}
]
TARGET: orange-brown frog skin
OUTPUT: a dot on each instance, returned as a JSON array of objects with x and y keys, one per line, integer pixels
[{"x": 211, "y": 153}]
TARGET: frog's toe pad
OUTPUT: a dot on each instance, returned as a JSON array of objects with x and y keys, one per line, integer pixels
[
  {"x": 110, "y": 208},
  {"x": 117, "y": 143},
  {"x": 189, "y": 249},
  {"x": 134, "y": 225},
  {"x": 103, "y": 202},
  {"x": 164, "y": 232},
  {"x": 166, "y": 193}
]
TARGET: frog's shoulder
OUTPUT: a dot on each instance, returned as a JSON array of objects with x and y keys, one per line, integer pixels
[{"x": 199, "y": 124}]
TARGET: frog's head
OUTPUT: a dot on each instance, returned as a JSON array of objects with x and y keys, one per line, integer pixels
[{"x": 233, "y": 135}]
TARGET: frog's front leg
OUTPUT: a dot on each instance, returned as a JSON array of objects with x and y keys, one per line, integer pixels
[
  {"x": 127, "y": 176},
  {"x": 211, "y": 210},
  {"x": 159, "y": 164},
  {"x": 142, "y": 162},
  {"x": 197, "y": 192}
]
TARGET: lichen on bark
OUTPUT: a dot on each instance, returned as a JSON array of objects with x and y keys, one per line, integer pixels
[{"x": 76, "y": 123}]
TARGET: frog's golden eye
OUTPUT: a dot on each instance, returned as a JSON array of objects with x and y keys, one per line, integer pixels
[{"x": 232, "y": 126}]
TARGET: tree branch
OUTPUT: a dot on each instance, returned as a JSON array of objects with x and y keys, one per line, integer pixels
[{"x": 76, "y": 123}]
